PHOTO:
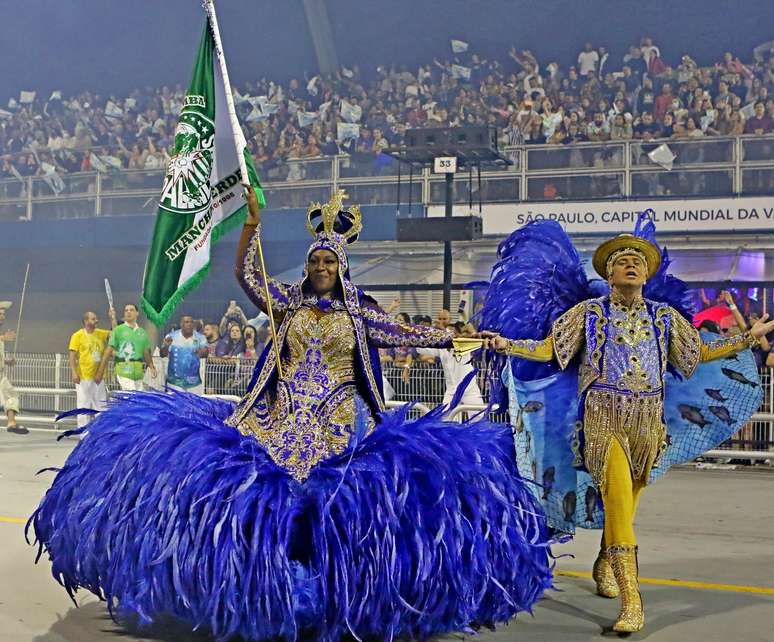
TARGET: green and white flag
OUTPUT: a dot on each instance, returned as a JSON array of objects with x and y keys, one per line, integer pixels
[{"x": 201, "y": 198}]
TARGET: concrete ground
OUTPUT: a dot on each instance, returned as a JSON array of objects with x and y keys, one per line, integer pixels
[{"x": 706, "y": 536}]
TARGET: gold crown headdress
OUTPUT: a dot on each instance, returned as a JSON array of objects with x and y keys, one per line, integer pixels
[{"x": 333, "y": 221}]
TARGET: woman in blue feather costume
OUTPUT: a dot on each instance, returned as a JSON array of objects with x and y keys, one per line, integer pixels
[
  {"x": 304, "y": 512},
  {"x": 599, "y": 383}
]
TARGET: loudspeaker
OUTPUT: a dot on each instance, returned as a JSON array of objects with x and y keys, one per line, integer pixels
[
  {"x": 453, "y": 137},
  {"x": 440, "y": 228},
  {"x": 474, "y": 137}
]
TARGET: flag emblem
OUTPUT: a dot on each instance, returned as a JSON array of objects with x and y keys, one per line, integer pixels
[{"x": 186, "y": 188}]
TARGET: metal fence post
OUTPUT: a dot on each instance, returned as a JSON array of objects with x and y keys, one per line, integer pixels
[
  {"x": 627, "y": 186},
  {"x": 335, "y": 173},
  {"x": 57, "y": 379},
  {"x": 425, "y": 188},
  {"x": 98, "y": 195},
  {"x": 737, "y": 182},
  {"x": 523, "y": 196},
  {"x": 29, "y": 198}
]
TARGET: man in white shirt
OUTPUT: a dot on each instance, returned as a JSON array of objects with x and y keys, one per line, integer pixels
[
  {"x": 454, "y": 371},
  {"x": 588, "y": 60},
  {"x": 9, "y": 398}
]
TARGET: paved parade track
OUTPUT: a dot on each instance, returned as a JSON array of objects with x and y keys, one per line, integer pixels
[{"x": 707, "y": 556}]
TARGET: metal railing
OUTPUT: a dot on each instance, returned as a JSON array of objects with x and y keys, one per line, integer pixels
[
  {"x": 45, "y": 388},
  {"x": 710, "y": 166}
]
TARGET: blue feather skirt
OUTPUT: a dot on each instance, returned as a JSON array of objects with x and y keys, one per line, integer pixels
[{"x": 420, "y": 528}]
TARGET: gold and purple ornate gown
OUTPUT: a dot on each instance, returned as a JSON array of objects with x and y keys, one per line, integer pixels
[{"x": 305, "y": 512}]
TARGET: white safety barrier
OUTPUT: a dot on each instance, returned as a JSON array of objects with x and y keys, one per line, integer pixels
[{"x": 45, "y": 388}]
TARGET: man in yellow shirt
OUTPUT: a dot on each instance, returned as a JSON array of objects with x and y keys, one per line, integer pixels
[{"x": 85, "y": 349}]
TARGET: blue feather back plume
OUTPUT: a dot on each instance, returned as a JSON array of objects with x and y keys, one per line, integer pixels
[
  {"x": 537, "y": 277},
  {"x": 419, "y": 528},
  {"x": 663, "y": 287}
]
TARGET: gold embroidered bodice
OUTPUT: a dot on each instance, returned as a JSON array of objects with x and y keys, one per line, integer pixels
[
  {"x": 631, "y": 359},
  {"x": 311, "y": 414}
]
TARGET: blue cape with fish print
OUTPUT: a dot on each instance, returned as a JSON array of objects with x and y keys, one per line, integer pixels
[
  {"x": 700, "y": 413},
  {"x": 538, "y": 276}
]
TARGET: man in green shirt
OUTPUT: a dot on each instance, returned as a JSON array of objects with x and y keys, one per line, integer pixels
[{"x": 131, "y": 346}]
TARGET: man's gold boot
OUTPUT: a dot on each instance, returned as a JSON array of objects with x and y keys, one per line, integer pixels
[
  {"x": 623, "y": 560},
  {"x": 603, "y": 576}
]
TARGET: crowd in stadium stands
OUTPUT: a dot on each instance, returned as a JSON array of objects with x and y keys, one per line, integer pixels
[{"x": 641, "y": 96}]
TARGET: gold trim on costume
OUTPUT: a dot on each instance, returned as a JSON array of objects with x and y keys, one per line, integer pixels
[
  {"x": 542, "y": 350},
  {"x": 569, "y": 333},
  {"x": 634, "y": 419},
  {"x": 685, "y": 345}
]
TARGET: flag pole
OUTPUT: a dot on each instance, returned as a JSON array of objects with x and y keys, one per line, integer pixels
[
  {"x": 209, "y": 7},
  {"x": 21, "y": 310}
]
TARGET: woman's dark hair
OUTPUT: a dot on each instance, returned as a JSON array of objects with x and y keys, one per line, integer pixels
[
  {"x": 403, "y": 317},
  {"x": 234, "y": 348},
  {"x": 709, "y": 326}
]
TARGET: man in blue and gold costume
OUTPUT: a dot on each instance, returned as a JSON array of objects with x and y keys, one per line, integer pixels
[
  {"x": 622, "y": 345},
  {"x": 305, "y": 512}
]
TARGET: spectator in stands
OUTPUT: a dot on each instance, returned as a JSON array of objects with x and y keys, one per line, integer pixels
[
  {"x": 85, "y": 352},
  {"x": 647, "y": 129},
  {"x": 234, "y": 345},
  {"x": 87, "y": 132},
  {"x": 251, "y": 346},
  {"x": 663, "y": 103},
  {"x": 233, "y": 314},
  {"x": 211, "y": 332},
  {"x": 599, "y": 128},
  {"x": 692, "y": 127},
  {"x": 588, "y": 61},
  {"x": 636, "y": 62},
  {"x": 760, "y": 123},
  {"x": 621, "y": 129},
  {"x": 667, "y": 129},
  {"x": 132, "y": 348},
  {"x": 9, "y": 398},
  {"x": 575, "y": 134},
  {"x": 185, "y": 347}
]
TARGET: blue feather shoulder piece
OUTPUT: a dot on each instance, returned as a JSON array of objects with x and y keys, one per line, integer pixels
[{"x": 537, "y": 277}]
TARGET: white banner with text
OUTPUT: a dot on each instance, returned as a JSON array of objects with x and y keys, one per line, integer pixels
[{"x": 603, "y": 217}]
